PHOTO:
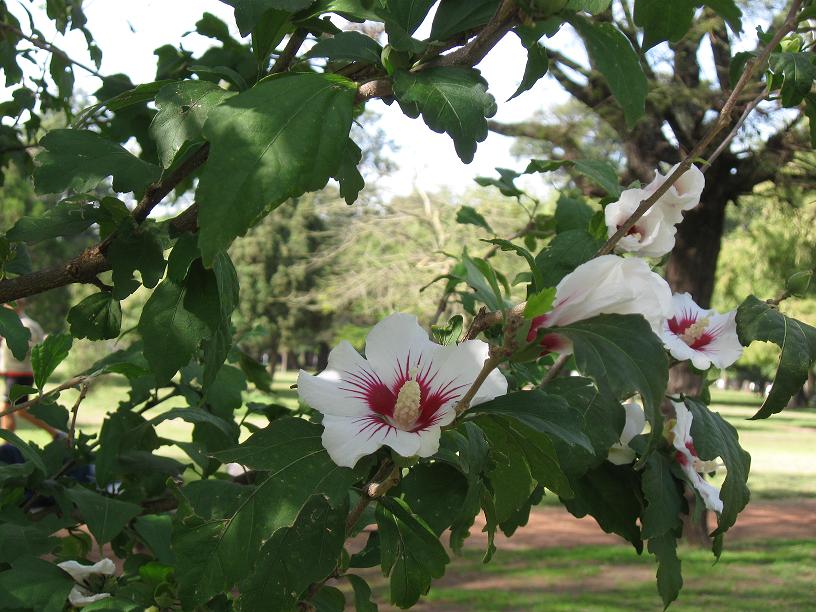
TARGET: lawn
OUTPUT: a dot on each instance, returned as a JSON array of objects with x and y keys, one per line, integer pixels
[{"x": 752, "y": 574}]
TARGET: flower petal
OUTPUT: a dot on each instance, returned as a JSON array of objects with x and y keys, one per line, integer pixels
[
  {"x": 348, "y": 439},
  {"x": 79, "y": 597},
  {"x": 458, "y": 365},
  {"x": 725, "y": 348},
  {"x": 620, "y": 454},
  {"x": 327, "y": 397},
  {"x": 635, "y": 422},
  {"x": 80, "y": 572},
  {"x": 709, "y": 493},
  {"x": 682, "y": 426},
  {"x": 396, "y": 344}
]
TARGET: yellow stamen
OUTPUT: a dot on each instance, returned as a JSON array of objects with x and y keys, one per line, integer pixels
[
  {"x": 406, "y": 410},
  {"x": 695, "y": 331}
]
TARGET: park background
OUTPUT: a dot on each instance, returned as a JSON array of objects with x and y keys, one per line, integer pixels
[{"x": 317, "y": 271}]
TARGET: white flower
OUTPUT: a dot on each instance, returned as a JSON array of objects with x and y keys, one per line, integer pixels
[
  {"x": 703, "y": 336},
  {"x": 80, "y": 595},
  {"x": 605, "y": 285},
  {"x": 653, "y": 234},
  {"x": 692, "y": 465},
  {"x": 620, "y": 453},
  {"x": 400, "y": 395}
]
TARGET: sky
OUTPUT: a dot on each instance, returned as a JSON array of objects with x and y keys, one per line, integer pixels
[{"x": 128, "y": 32}]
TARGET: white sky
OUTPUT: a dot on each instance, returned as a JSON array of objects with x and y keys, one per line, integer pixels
[{"x": 128, "y": 32}]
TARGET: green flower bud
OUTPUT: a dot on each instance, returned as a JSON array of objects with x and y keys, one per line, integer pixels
[{"x": 797, "y": 284}]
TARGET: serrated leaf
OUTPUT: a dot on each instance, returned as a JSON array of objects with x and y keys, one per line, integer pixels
[
  {"x": 97, "y": 317},
  {"x": 14, "y": 333},
  {"x": 350, "y": 46},
  {"x": 349, "y": 177},
  {"x": 669, "y": 576},
  {"x": 219, "y": 549},
  {"x": 66, "y": 219},
  {"x": 296, "y": 556},
  {"x": 623, "y": 356},
  {"x": 197, "y": 415},
  {"x": 798, "y": 73},
  {"x": 537, "y": 65},
  {"x": 19, "y": 540},
  {"x": 662, "y": 21},
  {"x": 183, "y": 109},
  {"x": 411, "y": 553},
  {"x": 455, "y": 16},
  {"x": 451, "y": 99},
  {"x": 249, "y": 12},
  {"x": 25, "y": 449},
  {"x": 469, "y": 215},
  {"x": 572, "y": 214},
  {"x": 105, "y": 516},
  {"x": 539, "y": 303},
  {"x": 664, "y": 498},
  {"x": 169, "y": 331},
  {"x": 34, "y": 584},
  {"x": 79, "y": 160},
  {"x": 612, "y": 55},
  {"x": 715, "y": 437},
  {"x": 46, "y": 356},
  {"x": 566, "y": 251},
  {"x": 758, "y": 320},
  {"x": 134, "y": 248},
  {"x": 600, "y": 172},
  {"x": 362, "y": 594},
  {"x": 434, "y": 492},
  {"x": 408, "y": 15},
  {"x": 280, "y": 139}
]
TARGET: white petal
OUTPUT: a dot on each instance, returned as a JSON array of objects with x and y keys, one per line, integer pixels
[
  {"x": 725, "y": 349},
  {"x": 620, "y": 455},
  {"x": 458, "y": 365},
  {"x": 79, "y": 597},
  {"x": 326, "y": 396},
  {"x": 348, "y": 439},
  {"x": 684, "y": 307},
  {"x": 682, "y": 427},
  {"x": 635, "y": 422},
  {"x": 709, "y": 493},
  {"x": 429, "y": 441},
  {"x": 397, "y": 344},
  {"x": 80, "y": 572},
  {"x": 404, "y": 443}
]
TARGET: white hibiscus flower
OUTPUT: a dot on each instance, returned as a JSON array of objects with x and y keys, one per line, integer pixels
[
  {"x": 400, "y": 395},
  {"x": 621, "y": 453},
  {"x": 692, "y": 465},
  {"x": 80, "y": 594},
  {"x": 702, "y": 336},
  {"x": 605, "y": 285}
]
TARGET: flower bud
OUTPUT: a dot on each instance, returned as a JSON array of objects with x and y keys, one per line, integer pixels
[{"x": 797, "y": 284}]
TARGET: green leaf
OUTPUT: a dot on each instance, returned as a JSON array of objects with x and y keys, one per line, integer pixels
[
  {"x": 664, "y": 499},
  {"x": 547, "y": 414},
  {"x": 350, "y": 46},
  {"x": 45, "y": 357},
  {"x": 267, "y": 34},
  {"x": 593, "y": 7},
  {"x": 434, "y": 492},
  {"x": 507, "y": 246},
  {"x": 669, "y": 576},
  {"x": 537, "y": 65},
  {"x": 19, "y": 540},
  {"x": 198, "y": 415},
  {"x": 408, "y": 15},
  {"x": 797, "y": 72},
  {"x": 572, "y": 214},
  {"x": 455, "y": 16},
  {"x": 255, "y": 372},
  {"x": 600, "y": 172},
  {"x": 623, "y": 356},
  {"x": 362, "y": 594},
  {"x": 353, "y": 10},
  {"x": 97, "y": 317},
  {"x": 411, "y": 553},
  {"x": 79, "y": 160},
  {"x": 610, "y": 494},
  {"x": 450, "y": 333},
  {"x": 34, "y": 584},
  {"x": 729, "y": 11},
  {"x": 451, "y": 99},
  {"x": 25, "y": 449},
  {"x": 135, "y": 248},
  {"x": 505, "y": 184},
  {"x": 349, "y": 177},
  {"x": 566, "y": 251},
  {"x": 758, "y": 320},
  {"x": 105, "y": 517},
  {"x": 663, "y": 21},
  {"x": 219, "y": 549},
  {"x": 280, "y": 139},
  {"x": 183, "y": 109},
  {"x": 715, "y": 437},
  {"x": 249, "y": 12},
  {"x": 170, "y": 332},
  {"x": 612, "y": 55},
  {"x": 155, "y": 530},
  {"x": 65, "y": 219},
  {"x": 14, "y": 333},
  {"x": 539, "y": 303},
  {"x": 296, "y": 556},
  {"x": 469, "y": 215}
]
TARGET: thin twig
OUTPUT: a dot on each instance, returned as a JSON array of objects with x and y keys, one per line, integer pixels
[
  {"x": 385, "y": 478},
  {"x": 723, "y": 120},
  {"x": 83, "y": 391},
  {"x": 555, "y": 369},
  {"x": 72, "y": 382},
  {"x": 289, "y": 52},
  {"x": 46, "y": 46},
  {"x": 749, "y": 108}
]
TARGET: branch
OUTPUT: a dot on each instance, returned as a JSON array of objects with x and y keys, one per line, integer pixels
[
  {"x": 71, "y": 382},
  {"x": 289, "y": 51},
  {"x": 749, "y": 108},
  {"x": 83, "y": 391},
  {"x": 723, "y": 120},
  {"x": 46, "y": 46}
]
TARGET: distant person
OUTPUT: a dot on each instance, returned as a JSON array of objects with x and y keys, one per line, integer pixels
[{"x": 16, "y": 372}]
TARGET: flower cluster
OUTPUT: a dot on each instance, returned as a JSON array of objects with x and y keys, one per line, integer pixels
[{"x": 81, "y": 594}]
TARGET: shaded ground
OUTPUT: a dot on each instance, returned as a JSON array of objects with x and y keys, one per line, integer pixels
[{"x": 558, "y": 562}]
